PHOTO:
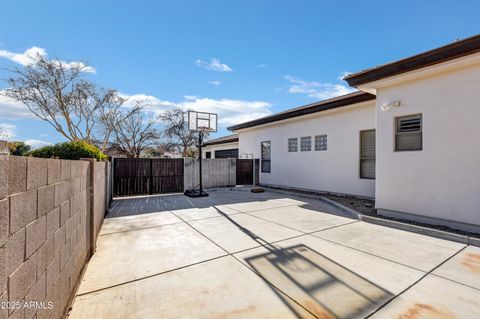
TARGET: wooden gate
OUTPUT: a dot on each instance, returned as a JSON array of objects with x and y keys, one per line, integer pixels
[
  {"x": 244, "y": 172},
  {"x": 144, "y": 176}
]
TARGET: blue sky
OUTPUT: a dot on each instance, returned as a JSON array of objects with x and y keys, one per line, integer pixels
[{"x": 242, "y": 59}]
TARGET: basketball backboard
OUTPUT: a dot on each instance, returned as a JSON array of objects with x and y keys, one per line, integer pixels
[{"x": 202, "y": 121}]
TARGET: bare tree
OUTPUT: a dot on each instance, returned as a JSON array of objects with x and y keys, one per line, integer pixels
[
  {"x": 57, "y": 93},
  {"x": 135, "y": 133},
  {"x": 177, "y": 131}
]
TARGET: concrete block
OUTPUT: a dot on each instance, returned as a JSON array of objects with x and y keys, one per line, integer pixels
[
  {"x": 71, "y": 226},
  {"x": 15, "y": 250},
  {"x": 3, "y": 176},
  {"x": 76, "y": 186},
  {"x": 36, "y": 294},
  {"x": 4, "y": 217},
  {"x": 3, "y": 269},
  {"x": 17, "y": 174},
  {"x": 36, "y": 235},
  {"x": 53, "y": 221},
  {"x": 63, "y": 292},
  {"x": 65, "y": 253},
  {"x": 61, "y": 192},
  {"x": 60, "y": 238},
  {"x": 53, "y": 270},
  {"x": 46, "y": 199},
  {"x": 54, "y": 171},
  {"x": 64, "y": 212},
  {"x": 52, "y": 296},
  {"x": 37, "y": 169},
  {"x": 45, "y": 255},
  {"x": 22, "y": 280},
  {"x": 3, "y": 299},
  {"x": 18, "y": 314},
  {"x": 66, "y": 169},
  {"x": 23, "y": 209}
]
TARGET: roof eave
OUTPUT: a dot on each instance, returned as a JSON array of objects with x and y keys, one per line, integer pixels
[{"x": 445, "y": 53}]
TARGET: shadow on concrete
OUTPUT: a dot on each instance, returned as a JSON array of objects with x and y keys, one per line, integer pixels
[
  {"x": 159, "y": 203},
  {"x": 320, "y": 285}
]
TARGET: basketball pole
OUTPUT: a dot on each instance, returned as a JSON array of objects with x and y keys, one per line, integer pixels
[{"x": 200, "y": 142}]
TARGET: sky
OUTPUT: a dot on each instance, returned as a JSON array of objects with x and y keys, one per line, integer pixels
[{"x": 241, "y": 59}]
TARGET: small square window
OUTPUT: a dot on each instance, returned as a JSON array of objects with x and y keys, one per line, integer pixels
[
  {"x": 321, "y": 142},
  {"x": 306, "y": 144},
  {"x": 293, "y": 144}
]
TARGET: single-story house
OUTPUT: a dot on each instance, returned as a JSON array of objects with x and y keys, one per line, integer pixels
[
  {"x": 408, "y": 138},
  {"x": 222, "y": 147}
]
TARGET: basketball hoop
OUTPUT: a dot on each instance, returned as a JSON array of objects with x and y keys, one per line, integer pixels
[{"x": 201, "y": 122}]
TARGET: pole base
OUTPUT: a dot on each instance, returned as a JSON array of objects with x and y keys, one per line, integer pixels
[{"x": 195, "y": 193}]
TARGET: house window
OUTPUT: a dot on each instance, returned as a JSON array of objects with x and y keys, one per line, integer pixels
[
  {"x": 293, "y": 144},
  {"x": 266, "y": 151},
  {"x": 367, "y": 154},
  {"x": 208, "y": 155},
  {"x": 408, "y": 133},
  {"x": 306, "y": 144},
  {"x": 321, "y": 142}
]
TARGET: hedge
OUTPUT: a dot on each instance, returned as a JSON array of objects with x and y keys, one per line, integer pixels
[{"x": 69, "y": 150}]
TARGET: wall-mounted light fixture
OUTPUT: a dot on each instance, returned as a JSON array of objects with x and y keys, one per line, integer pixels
[{"x": 388, "y": 106}]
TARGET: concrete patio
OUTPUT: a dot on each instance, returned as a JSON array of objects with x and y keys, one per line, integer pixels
[{"x": 237, "y": 254}]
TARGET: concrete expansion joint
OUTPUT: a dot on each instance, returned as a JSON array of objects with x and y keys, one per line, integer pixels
[{"x": 430, "y": 272}]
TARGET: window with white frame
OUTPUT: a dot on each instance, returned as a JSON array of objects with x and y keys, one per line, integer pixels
[
  {"x": 306, "y": 143},
  {"x": 408, "y": 133},
  {"x": 293, "y": 144},
  {"x": 321, "y": 142},
  {"x": 266, "y": 151}
]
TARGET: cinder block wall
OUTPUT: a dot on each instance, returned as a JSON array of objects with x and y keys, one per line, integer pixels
[
  {"x": 43, "y": 232},
  {"x": 216, "y": 172}
]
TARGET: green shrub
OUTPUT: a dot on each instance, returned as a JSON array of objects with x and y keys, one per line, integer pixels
[
  {"x": 18, "y": 148},
  {"x": 69, "y": 150}
]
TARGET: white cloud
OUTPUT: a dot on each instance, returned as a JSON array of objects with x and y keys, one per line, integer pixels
[
  {"x": 316, "y": 90},
  {"x": 36, "y": 143},
  {"x": 216, "y": 83},
  {"x": 25, "y": 58},
  {"x": 29, "y": 55},
  {"x": 230, "y": 111},
  {"x": 343, "y": 74},
  {"x": 7, "y": 131},
  {"x": 213, "y": 65},
  {"x": 10, "y": 109}
]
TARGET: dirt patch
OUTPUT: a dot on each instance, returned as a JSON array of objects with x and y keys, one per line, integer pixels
[
  {"x": 426, "y": 311},
  {"x": 361, "y": 205},
  {"x": 472, "y": 262},
  {"x": 367, "y": 207}
]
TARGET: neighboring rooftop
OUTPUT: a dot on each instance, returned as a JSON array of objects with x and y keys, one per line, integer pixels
[
  {"x": 222, "y": 140},
  {"x": 339, "y": 101},
  {"x": 445, "y": 53}
]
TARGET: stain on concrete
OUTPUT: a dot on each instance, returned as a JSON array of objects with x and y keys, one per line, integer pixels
[
  {"x": 236, "y": 313},
  {"x": 420, "y": 310},
  {"x": 471, "y": 261},
  {"x": 316, "y": 309}
]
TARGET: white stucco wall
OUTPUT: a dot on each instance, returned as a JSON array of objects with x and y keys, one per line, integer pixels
[
  {"x": 213, "y": 148},
  {"x": 443, "y": 180},
  {"x": 334, "y": 170}
]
